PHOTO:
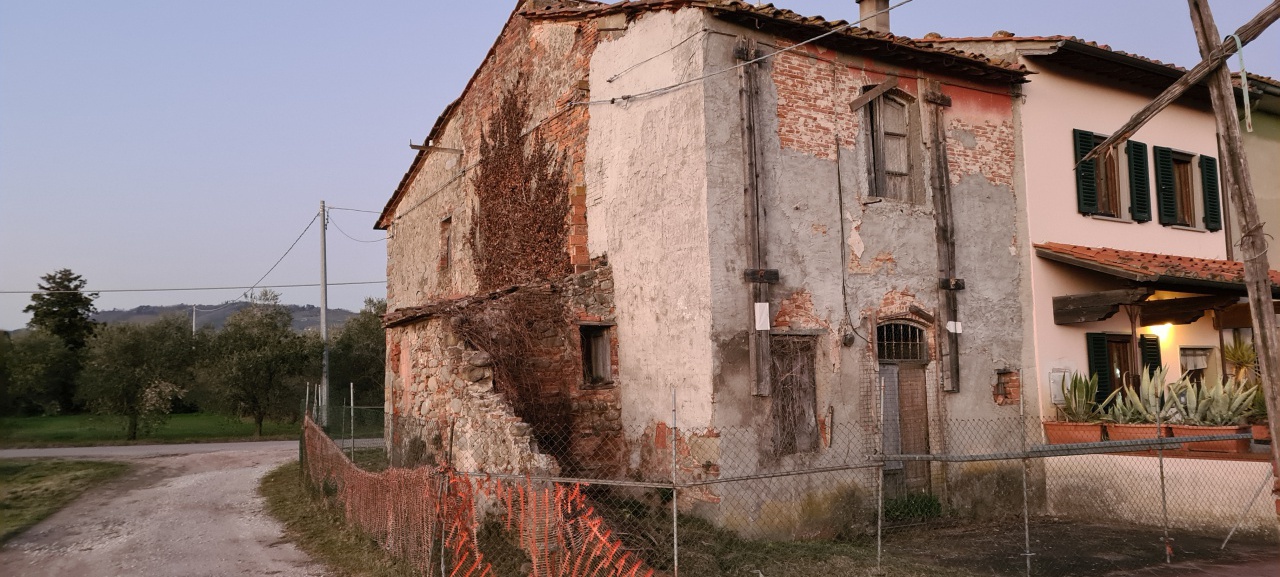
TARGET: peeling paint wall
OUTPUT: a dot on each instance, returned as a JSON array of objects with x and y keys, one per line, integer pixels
[
  {"x": 890, "y": 246},
  {"x": 646, "y": 181}
]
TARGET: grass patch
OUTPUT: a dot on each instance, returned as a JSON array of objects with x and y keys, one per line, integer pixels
[
  {"x": 32, "y": 489},
  {"x": 319, "y": 529},
  {"x": 90, "y": 430}
]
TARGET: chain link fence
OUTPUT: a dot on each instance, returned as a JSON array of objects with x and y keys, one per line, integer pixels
[{"x": 970, "y": 497}]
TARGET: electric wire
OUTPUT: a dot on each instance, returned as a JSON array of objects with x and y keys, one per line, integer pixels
[
  {"x": 653, "y": 92},
  {"x": 191, "y": 289},
  {"x": 354, "y": 210},
  {"x": 683, "y": 83},
  {"x": 638, "y": 64},
  {"x": 281, "y": 259},
  {"x": 344, "y": 233}
]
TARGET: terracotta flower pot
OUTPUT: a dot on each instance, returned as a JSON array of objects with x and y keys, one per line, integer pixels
[
  {"x": 1062, "y": 432},
  {"x": 1228, "y": 446},
  {"x": 1137, "y": 431},
  {"x": 1261, "y": 433}
]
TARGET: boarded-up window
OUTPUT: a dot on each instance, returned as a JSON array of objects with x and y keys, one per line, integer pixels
[{"x": 795, "y": 422}]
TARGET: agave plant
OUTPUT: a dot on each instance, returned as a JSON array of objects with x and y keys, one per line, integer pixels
[
  {"x": 1080, "y": 399},
  {"x": 1243, "y": 358},
  {"x": 1150, "y": 402},
  {"x": 1217, "y": 404}
]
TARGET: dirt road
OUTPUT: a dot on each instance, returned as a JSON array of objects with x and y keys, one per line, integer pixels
[{"x": 179, "y": 512}]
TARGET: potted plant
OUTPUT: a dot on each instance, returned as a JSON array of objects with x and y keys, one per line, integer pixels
[
  {"x": 1244, "y": 364},
  {"x": 1258, "y": 420},
  {"x": 1081, "y": 418},
  {"x": 1215, "y": 409},
  {"x": 1139, "y": 412}
]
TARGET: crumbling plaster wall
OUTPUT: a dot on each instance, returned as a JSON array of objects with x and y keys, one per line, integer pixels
[
  {"x": 646, "y": 176},
  {"x": 889, "y": 245}
]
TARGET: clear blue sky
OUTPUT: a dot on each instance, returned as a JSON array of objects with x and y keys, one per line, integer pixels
[{"x": 183, "y": 144}]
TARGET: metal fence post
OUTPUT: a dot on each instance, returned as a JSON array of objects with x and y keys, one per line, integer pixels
[{"x": 675, "y": 501}]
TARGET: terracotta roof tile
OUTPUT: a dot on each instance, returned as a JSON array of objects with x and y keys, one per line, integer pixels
[
  {"x": 1150, "y": 266},
  {"x": 1055, "y": 38}
]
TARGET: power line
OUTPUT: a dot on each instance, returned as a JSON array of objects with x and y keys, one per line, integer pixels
[
  {"x": 653, "y": 92},
  {"x": 286, "y": 253},
  {"x": 189, "y": 289},
  {"x": 681, "y": 84},
  {"x": 344, "y": 233},
  {"x": 355, "y": 210}
]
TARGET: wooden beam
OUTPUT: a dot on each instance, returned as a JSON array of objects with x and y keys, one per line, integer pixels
[
  {"x": 1095, "y": 306},
  {"x": 874, "y": 93},
  {"x": 1253, "y": 242},
  {"x": 1238, "y": 316},
  {"x": 1182, "y": 311},
  {"x": 1212, "y": 61}
]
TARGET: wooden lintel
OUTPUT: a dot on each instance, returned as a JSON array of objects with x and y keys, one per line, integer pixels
[
  {"x": 874, "y": 93},
  {"x": 1182, "y": 311},
  {"x": 1095, "y": 306},
  {"x": 1237, "y": 316}
]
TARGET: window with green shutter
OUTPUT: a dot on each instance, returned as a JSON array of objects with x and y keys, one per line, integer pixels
[
  {"x": 1212, "y": 199},
  {"x": 1099, "y": 362},
  {"x": 1166, "y": 186},
  {"x": 1149, "y": 346},
  {"x": 1139, "y": 181},
  {"x": 1086, "y": 173}
]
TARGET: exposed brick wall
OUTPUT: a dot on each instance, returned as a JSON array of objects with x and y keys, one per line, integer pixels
[
  {"x": 553, "y": 58},
  {"x": 985, "y": 148}
]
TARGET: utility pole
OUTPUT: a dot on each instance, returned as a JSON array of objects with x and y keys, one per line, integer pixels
[
  {"x": 1253, "y": 243},
  {"x": 324, "y": 321},
  {"x": 193, "y": 320}
]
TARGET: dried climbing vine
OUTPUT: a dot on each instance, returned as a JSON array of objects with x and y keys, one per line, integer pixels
[{"x": 519, "y": 233}]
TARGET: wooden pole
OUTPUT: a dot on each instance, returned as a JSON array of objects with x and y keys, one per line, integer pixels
[
  {"x": 1253, "y": 243},
  {"x": 1212, "y": 61}
]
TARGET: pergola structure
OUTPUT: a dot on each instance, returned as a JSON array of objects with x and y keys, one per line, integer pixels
[{"x": 1200, "y": 285}]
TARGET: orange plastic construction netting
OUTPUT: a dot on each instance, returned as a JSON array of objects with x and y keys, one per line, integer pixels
[{"x": 432, "y": 518}]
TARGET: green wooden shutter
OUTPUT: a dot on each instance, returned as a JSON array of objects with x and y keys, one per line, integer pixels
[
  {"x": 1096, "y": 346},
  {"x": 1086, "y": 173},
  {"x": 1149, "y": 345},
  {"x": 1166, "y": 193},
  {"x": 1212, "y": 203},
  {"x": 1139, "y": 181}
]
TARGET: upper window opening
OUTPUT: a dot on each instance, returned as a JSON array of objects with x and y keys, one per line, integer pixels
[
  {"x": 446, "y": 243},
  {"x": 901, "y": 342},
  {"x": 890, "y": 147}
]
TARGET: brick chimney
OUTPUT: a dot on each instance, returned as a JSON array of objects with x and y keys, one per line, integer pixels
[{"x": 878, "y": 23}]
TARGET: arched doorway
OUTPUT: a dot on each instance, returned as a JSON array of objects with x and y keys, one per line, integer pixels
[{"x": 903, "y": 354}]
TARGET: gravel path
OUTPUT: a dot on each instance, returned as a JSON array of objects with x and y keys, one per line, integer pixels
[{"x": 190, "y": 514}]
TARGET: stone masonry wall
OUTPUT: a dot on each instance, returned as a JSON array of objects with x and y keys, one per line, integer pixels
[{"x": 443, "y": 382}]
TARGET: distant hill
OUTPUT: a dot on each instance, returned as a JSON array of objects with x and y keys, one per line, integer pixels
[{"x": 305, "y": 317}]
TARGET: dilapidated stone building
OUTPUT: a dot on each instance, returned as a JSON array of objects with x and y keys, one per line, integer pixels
[{"x": 756, "y": 220}]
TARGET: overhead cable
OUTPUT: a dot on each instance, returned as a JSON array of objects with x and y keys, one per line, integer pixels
[{"x": 188, "y": 289}]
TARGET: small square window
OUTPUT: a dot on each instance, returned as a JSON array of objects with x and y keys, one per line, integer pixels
[
  {"x": 597, "y": 356},
  {"x": 1194, "y": 363}
]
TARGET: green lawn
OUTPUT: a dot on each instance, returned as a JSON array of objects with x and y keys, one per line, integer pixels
[
  {"x": 32, "y": 489},
  {"x": 80, "y": 430}
]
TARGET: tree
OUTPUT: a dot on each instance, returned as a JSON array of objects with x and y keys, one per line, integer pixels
[
  {"x": 359, "y": 352},
  {"x": 6, "y": 392},
  {"x": 64, "y": 310},
  {"x": 136, "y": 371},
  {"x": 39, "y": 367},
  {"x": 256, "y": 363}
]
